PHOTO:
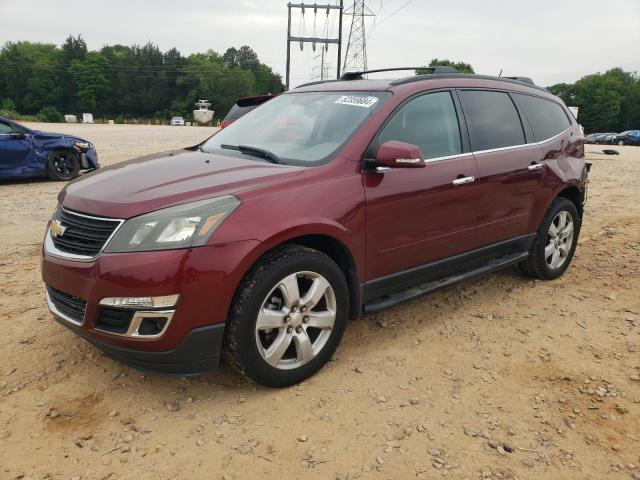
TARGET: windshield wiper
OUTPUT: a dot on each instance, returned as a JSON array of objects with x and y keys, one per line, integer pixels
[{"x": 255, "y": 151}]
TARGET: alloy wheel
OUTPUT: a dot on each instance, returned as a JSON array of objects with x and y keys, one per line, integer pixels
[
  {"x": 559, "y": 240},
  {"x": 63, "y": 164},
  {"x": 295, "y": 320}
]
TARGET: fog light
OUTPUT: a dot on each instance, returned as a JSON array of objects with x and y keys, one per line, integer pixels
[{"x": 137, "y": 302}]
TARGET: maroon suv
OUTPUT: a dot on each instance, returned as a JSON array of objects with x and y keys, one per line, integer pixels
[{"x": 330, "y": 200}]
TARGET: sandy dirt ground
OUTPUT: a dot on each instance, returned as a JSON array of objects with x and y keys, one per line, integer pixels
[{"x": 498, "y": 378}]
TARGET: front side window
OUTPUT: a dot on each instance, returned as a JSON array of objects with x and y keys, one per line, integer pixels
[
  {"x": 547, "y": 118},
  {"x": 5, "y": 128},
  {"x": 304, "y": 128},
  {"x": 492, "y": 119},
  {"x": 428, "y": 121}
]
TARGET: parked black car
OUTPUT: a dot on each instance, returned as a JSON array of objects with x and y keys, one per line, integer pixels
[{"x": 597, "y": 138}]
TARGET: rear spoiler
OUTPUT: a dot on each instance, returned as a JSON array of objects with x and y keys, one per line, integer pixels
[{"x": 253, "y": 101}]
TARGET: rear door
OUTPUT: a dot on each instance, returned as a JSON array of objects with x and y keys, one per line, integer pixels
[
  {"x": 511, "y": 173},
  {"x": 417, "y": 216}
]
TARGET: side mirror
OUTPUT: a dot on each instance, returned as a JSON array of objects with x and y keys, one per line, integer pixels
[
  {"x": 17, "y": 135},
  {"x": 394, "y": 154}
]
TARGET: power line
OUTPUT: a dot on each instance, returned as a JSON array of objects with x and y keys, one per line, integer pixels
[
  {"x": 314, "y": 40},
  {"x": 391, "y": 15}
]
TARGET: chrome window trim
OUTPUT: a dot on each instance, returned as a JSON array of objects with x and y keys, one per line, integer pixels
[
  {"x": 480, "y": 152},
  {"x": 51, "y": 249},
  {"x": 491, "y": 150},
  {"x": 53, "y": 309},
  {"x": 448, "y": 157}
]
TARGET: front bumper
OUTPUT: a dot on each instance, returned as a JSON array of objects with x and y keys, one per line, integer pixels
[
  {"x": 89, "y": 159},
  {"x": 205, "y": 278},
  {"x": 199, "y": 352}
]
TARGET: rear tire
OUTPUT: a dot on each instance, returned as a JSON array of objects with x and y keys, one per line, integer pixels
[
  {"x": 621, "y": 143},
  {"x": 555, "y": 242},
  {"x": 63, "y": 165},
  {"x": 280, "y": 331}
]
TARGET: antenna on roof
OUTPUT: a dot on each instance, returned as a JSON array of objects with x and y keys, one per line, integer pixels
[{"x": 500, "y": 74}]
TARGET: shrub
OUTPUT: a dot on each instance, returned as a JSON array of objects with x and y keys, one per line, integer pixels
[
  {"x": 8, "y": 105},
  {"x": 49, "y": 114}
]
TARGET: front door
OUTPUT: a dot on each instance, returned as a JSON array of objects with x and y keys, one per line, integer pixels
[
  {"x": 13, "y": 151},
  {"x": 417, "y": 216}
]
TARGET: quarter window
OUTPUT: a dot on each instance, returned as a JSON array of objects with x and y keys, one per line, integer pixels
[
  {"x": 492, "y": 119},
  {"x": 547, "y": 118},
  {"x": 428, "y": 121}
]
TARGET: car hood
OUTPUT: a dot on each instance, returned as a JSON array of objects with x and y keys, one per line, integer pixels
[
  {"x": 157, "y": 181},
  {"x": 40, "y": 135}
]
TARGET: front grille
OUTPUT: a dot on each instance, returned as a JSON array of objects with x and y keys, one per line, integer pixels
[
  {"x": 70, "y": 306},
  {"x": 82, "y": 235},
  {"x": 114, "y": 320}
]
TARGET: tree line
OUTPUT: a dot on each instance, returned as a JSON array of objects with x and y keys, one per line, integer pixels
[
  {"x": 609, "y": 102},
  {"x": 142, "y": 82},
  {"x": 120, "y": 82}
]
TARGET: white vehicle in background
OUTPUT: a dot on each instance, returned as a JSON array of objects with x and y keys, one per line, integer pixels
[{"x": 177, "y": 122}]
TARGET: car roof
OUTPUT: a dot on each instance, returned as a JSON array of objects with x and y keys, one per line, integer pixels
[{"x": 440, "y": 80}]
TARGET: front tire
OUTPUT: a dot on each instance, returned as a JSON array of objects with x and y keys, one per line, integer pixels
[
  {"x": 621, "y": 143},
  {"x": 288, "y": 317},
  {"x": 63, "y": 165},
  {"x": 555, "y": 243}
]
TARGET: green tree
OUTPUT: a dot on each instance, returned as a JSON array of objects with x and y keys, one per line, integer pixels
[
  {"x": 462, "y": 67},
  {"x": 29, "y": 75},
  {"x": 73, "y": 48},
  {"x": 608, "y": 102},
  {"x": 89, "y": 78}
]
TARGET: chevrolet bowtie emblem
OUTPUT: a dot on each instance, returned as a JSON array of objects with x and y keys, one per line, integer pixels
[{"x": 56, "y": 229}]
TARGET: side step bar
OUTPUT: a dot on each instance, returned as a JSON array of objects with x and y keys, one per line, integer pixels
[{"x": 389, "y": 301}]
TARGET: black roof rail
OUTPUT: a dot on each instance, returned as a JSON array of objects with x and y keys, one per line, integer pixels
[
  {"x": 432, "y": 70},
  {"x": 521, "y": 79},
  {"x": 418, "y": 78}
]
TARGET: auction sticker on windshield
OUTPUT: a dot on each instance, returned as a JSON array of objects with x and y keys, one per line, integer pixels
[{"x": 357, "y": 100}]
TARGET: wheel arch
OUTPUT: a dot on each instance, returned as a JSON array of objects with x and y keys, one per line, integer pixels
[
  {"x": 576, "y": 196},
  {"x": 326, "y": 243},
  {"x": 339, "y": 253}
]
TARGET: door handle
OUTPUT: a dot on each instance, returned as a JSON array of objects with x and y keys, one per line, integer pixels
[
  {"x": 464, "y": 180},
  {"x": 535, "y": 166}
]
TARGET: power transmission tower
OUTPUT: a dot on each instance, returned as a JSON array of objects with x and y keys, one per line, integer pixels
[
  {"x": 356, "y": 57},
  {"x": 322, "y": 41},
  {"x": 321, "y": 71}
]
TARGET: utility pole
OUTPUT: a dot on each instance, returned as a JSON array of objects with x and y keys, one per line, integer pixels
[
  {"x": 356, "y": 57},
  {"x": 324, "y": 42}
]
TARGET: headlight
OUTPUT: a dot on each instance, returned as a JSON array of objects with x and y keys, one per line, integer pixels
[
  {"x": 182, "y": 226},
  {"x": 83, "y": 145}
]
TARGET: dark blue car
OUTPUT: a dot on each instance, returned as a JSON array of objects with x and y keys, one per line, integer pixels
[
  {"x": 28, "y": 153},
  {"x": 629, "y": 137}
]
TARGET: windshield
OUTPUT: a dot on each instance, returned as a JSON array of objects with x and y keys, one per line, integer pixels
[{"x": 299, "y": 128}]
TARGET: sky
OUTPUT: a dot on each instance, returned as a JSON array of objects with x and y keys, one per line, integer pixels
[{"x": 551, "y": 41}]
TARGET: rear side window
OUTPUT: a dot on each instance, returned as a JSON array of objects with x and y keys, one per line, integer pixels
[
  {"x": 236, "y": 112},
  {"x": 492, "y": 119},
  {"x": 547, "y": 118},
  {"x": 428, "y": 121}
]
